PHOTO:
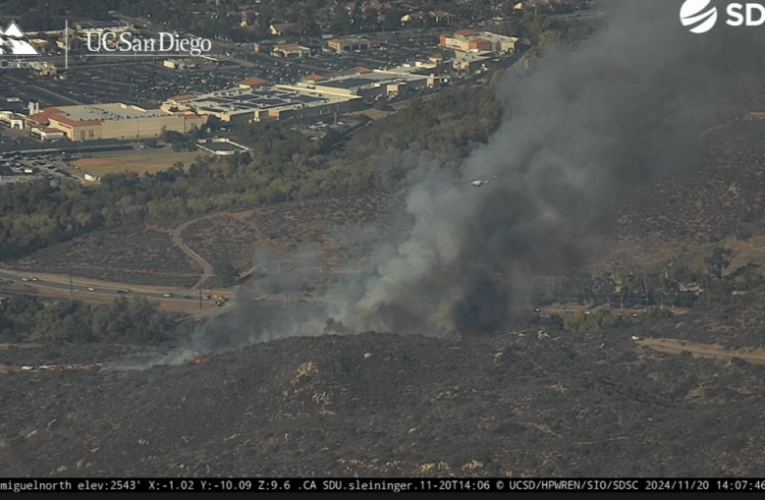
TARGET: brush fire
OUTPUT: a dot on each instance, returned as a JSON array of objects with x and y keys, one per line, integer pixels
[{"x": 586, "y": 126}]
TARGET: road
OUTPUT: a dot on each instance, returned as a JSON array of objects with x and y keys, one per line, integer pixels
[
  {"x": 207, "y": 270},
  {"x": 109, "y": 290},
  {"x": 675, "y": 346},
  {"x": 184, "y": 299}
]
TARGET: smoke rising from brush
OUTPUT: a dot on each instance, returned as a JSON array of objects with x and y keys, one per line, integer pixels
[{"x": 588, "y": 124}]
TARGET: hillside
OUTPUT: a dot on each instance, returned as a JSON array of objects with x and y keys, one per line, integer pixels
[
  {"x": 523, "y": 403},
  {"x": 534, "y": 401}
]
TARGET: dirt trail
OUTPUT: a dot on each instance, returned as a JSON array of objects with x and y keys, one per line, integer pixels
[
  {"x": 674, "y": 346},
  {"x": 207, "y": 270}
]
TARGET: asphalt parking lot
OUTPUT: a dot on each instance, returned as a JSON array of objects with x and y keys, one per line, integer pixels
[{"x": 97, "y": 79}]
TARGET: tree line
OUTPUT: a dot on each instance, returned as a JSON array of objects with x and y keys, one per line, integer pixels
[
  {"x": 135, "y": 320},
  {"x": 283, "y": 165}
]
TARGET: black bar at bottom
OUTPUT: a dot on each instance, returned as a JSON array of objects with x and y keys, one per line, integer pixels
[{"x": 377, "y": 484}]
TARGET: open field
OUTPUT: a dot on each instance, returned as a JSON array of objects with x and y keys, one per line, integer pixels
[
  {"x": 676, "y": 220},
  {"x": 140, "y": 163}
]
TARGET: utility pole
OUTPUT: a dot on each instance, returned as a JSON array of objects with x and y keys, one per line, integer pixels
[
  {"x": 71, "y": 287},
  {"x": 200, "y": 297}
]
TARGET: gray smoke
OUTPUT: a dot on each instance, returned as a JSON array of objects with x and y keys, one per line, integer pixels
[{"x": 588, "y": 124}]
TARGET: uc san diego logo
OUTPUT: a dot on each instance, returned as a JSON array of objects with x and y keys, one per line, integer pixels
[
  {"x": 13, "y": 41},
  {"x": 695, "y": 13}
]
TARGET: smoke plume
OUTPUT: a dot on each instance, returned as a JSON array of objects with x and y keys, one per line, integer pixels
[{"x": 587, "y": 124}]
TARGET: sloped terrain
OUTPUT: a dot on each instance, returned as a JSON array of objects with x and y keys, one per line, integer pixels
[
  {"x": 724, "y": 195},
  {"x": 524, "y": 403},
  {"x": 538, "y": 402},
  {"x": 323, "y": 222},
  {"x": 136, "y": 254}
]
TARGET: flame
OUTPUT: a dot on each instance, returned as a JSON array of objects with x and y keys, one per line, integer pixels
[{"x": 198, "y": 361}]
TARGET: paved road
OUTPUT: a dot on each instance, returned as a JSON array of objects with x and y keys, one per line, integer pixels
[
  {"x": 104, "y": 289},
  {"x": 58, "y": 285}
]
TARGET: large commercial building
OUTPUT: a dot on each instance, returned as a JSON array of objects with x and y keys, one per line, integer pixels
[
  {"x": 280, "y": 102},
  {"x": 471, "y": 41},
  {"x": 112, "y": 121},
  {"x": 373, "y": 84},
  {"x": 288, "y": 50},
  {"x": 313, "y": 96},
  {"x": 351, "y": 44}
]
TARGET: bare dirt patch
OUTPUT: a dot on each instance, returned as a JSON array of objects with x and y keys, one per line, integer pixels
[{"x": 140, "y": 163}]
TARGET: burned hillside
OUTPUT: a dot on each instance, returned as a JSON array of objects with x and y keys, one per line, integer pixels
[
  {"x": 721, "y": 197},
  {"x": 538, "y": 403}
]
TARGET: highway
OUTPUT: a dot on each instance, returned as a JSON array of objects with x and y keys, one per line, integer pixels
[
  {"x": 182, "y": 300},
  {"x": 80, "y": 287}
]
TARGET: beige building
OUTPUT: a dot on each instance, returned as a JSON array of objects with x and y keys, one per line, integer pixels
[
  {"x": 472, "y": 62},
  {"x": 350, "y": 44},
  {"x": 113, "y": 121},
  {"x": 288, "y": 50},
  {"x": 370, "y": 84},
  {"x": 243, "y": 105},
  {"x": 283, "y": 29},
  {"x": 472, "y": 41}
]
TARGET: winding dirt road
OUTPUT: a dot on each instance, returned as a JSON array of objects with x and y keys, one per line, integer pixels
[{"x": 207, "y": 270}]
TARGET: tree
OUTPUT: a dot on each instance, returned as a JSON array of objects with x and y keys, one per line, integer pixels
[
  {"x": 342, "y": 22},
  {"x": 718, "y": 261}
]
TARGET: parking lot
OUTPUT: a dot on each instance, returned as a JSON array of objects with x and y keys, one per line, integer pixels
[
  {"x": 17, "y": 168},
  {"x": 95, "y": 79}
]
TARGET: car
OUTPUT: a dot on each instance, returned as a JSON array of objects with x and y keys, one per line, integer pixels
[
  {"x": 91, "y": 289},
  {"x": 124, "y": 290},
  {"x": 35, "y": 279},
  {"x": 168, "y": 295},
  {"x": 24, "y": 279}
]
